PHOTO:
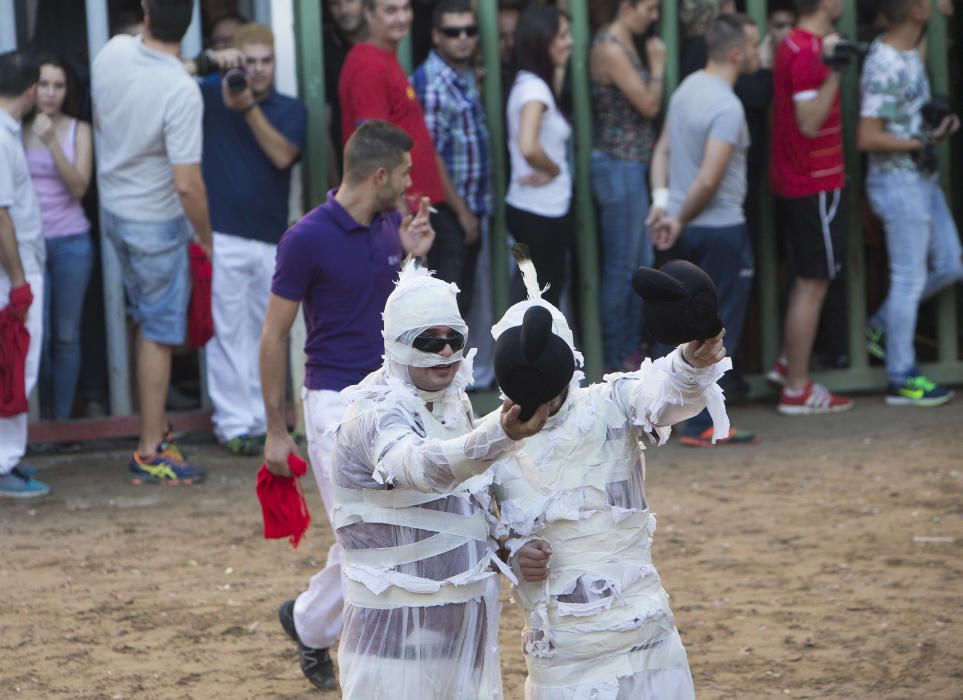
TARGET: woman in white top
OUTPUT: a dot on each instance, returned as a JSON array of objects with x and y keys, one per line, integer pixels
[{"x": 540, "y": 192}]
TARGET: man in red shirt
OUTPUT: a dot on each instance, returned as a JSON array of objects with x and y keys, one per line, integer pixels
[
  {"x": 807, "y": 178},
  {"x": 374, "y": 86}
]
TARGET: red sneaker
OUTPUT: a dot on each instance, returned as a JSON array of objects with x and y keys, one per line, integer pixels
[
  {"x": 777, "y": 375},
  {"x": 814, "y": 399},
  {"x": 735, "y": 437}
]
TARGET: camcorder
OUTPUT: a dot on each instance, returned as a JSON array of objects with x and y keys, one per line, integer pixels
[
  {"x": 933, "y": 112},
  {"x": 844, "y": 52},
  {"x": 236, "y": 80}
]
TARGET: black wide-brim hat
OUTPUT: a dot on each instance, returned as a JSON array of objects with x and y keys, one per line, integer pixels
[
  {"x": 532, "y": 364},
  {"x": 681, "y": 303}
]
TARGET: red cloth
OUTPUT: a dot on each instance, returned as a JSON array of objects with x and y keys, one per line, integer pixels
[
  {"x": 803, "y": 166},
  {"x": 200, "y": 319},
  {"x": 14, "y": 344},
  {"x": 282, "y": 502},
  {"x": 373, "y": 86}
]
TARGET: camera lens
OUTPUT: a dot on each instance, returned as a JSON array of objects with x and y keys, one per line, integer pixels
[{"x": 236, "y": 80}]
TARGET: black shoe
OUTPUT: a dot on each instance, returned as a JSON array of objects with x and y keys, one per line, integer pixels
[{"x": 315, "y": 663}]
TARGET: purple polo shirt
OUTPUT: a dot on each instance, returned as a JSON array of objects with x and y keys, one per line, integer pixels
[{"x": 342, "y": 273}]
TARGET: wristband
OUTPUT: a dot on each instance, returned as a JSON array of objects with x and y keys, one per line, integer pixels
[
  {"x": 21, "y": 298},
  {"x": 660, "y": 198}
]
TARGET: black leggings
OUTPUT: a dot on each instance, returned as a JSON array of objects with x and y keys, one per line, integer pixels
[{"x": 547, "y": 238}]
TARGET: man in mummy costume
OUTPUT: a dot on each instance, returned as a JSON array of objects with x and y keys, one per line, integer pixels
[
  {"x": 413, "y": 510},
  {"x": 599, "y": 626}
]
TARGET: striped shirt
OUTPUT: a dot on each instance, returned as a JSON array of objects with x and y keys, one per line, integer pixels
[{"x": 456, "y": 121}]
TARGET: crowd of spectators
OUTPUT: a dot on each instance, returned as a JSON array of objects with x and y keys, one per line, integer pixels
[{"x": 210, "y": 163}]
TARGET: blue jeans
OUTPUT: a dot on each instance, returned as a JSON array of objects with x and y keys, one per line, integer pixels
[
  {"x": 924, "y": 257},
  {"x": 725, "y": 253},
  {"x": 69, "y": 262},
  {"x": 620, "y": 190},
  {"x": 156, "y": 273}
]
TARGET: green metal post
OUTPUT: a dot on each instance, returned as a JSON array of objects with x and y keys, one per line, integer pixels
[
  {"x": 310, "y": 61},
  {"x": 405, "y": 55},
  {"x": 939, "y": 72},
  {"x": 673, "y": 45},
  {"x": 855, "y": 267},
  {"x": 492, "y": 93},
  {"x": 586, "y": 240},
  {"x": 766, "y": 262}
]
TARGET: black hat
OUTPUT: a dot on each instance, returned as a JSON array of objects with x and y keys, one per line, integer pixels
[
  {"x": 532, "y": 364},
  {"x": 681, "y": 303}
]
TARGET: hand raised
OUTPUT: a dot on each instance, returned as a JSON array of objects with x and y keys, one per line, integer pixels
[
  {"x": 416, "y": 232},
  {"x": 514, "y": 427},
  {"x": 705, "y": 353}
]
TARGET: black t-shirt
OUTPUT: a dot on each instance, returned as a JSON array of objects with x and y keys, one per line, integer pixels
[{"x": 335, "y": 51}]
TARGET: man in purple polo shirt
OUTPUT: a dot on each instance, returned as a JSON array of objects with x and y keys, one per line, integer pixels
[{"x": 340, "y": 261}]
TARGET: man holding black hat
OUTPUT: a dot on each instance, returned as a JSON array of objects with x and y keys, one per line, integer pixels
[{"x": 599, "y": 623}]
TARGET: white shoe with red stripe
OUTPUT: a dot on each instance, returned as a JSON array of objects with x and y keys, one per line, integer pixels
[{"x": 814, "y": 399}]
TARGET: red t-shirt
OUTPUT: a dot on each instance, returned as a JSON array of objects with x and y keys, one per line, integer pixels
[
  {"x": 373, "y": 86},
  {"x": 803, "y": 166}
]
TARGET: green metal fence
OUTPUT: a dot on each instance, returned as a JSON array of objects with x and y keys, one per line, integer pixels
[{"x": 859, "y": 376}]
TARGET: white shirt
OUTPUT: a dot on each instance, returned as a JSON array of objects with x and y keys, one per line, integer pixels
[
  {"x": 147, "y": 117},
  {"x": 553, "y": 199},
  {"x": 17, "y": 196}
]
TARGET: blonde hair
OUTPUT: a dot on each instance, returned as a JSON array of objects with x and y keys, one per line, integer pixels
[{"x": 253, "y": 33}]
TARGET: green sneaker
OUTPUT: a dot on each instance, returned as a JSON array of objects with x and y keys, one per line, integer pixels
[
  {"x": 876, "y": 342},
  {"x": 917, "y": 391},
  {"x": 244, "y": 446}
]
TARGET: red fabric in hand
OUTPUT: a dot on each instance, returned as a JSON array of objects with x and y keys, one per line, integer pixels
[
  {"x": 200, "y": 319},
  {"x": 282, "y": 502},
  {"x": 20, "y": 299},
  {"x": 14, "y": 344}
]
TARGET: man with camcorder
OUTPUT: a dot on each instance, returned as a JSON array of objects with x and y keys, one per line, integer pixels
[
  {"x": 253, "y": 136},
  {"x": 807, "y": 177}
]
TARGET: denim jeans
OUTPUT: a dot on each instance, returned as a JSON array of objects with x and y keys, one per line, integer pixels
[
  {"x": 924, "y": 257},
  {"x": 69, "y": 262},
  {"x": 623, "y": 201},
  {"x": 725, "y": 253}
]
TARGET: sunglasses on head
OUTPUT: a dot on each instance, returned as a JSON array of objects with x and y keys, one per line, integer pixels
[
  {"x": 455, "y": 32},
  {"x": 436, "y": 343}
]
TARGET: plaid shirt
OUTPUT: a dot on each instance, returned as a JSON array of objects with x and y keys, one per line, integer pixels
[{"x": 456, "y": 121}]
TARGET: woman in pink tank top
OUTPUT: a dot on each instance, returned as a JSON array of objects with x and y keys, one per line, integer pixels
[{"x": 60, "y": 155}]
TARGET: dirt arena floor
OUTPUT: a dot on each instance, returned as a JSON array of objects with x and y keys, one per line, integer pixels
[{"x": 827, "y": 562}]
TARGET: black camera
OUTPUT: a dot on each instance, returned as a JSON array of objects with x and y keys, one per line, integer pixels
[
  {"x": 935, "y": 111},
  {"x": 844, "y": 52},
  {"x": 236, "y": 80}
]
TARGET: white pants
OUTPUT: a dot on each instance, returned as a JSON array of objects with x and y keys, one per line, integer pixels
[
  {"x": 242, "y": 283},
  {"x": 317, "y": 611},
  {"x": 13, "y": 431}
]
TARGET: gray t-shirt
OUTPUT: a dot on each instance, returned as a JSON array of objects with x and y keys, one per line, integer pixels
[
  {"x": 18, "y": 197},
  {"x": 147, "y": 117},
  {"x": 705, "y": 107}
]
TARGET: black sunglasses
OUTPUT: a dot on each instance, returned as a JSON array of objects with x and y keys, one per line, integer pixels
[
  {"x": 455, "y": 32},
  {"x": 436, "y": 343}
]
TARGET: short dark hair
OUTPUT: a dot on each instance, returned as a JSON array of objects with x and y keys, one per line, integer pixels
[
  {"x": 449, "y": 7},
  {"x": 806, "y": 7},
  {"x": 18, "y": 71},
  {"x": 375, "y": 144},
  {"x": 169, "y": 19},
  {"x": 895, "y": 11},
  {"x": 725, "y": 33},
  {"x": 537, "y": 28}
]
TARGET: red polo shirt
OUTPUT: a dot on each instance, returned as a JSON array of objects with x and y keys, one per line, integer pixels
[
  {"x": 803, "y": 166},
  {"x": 373, "y": 86}
]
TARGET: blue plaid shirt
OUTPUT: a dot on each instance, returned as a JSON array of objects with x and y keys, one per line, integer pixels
[{"x": 456, "y": 121}]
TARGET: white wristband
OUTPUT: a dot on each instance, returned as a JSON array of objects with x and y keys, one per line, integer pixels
[{"x": 660, "y": 198}]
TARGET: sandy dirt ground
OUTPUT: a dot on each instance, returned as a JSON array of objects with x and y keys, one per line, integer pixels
[{"x": 827, "y": 562}]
